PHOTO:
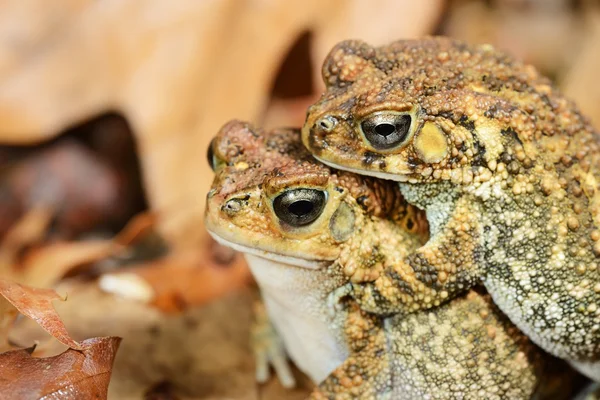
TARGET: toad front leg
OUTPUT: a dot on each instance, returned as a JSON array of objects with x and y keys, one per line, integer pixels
[
  {"x": 268, "y": 348},
  {"x": 366, "y": 373},
  {"x": 384, "y": 282}
]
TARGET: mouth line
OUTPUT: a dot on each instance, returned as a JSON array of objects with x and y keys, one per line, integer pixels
[
  {"x": 284, "y": 259},
  {"x": 375, "y": 174}
]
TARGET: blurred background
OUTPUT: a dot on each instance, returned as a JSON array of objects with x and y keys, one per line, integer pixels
[{"x": 106, "y": 111}]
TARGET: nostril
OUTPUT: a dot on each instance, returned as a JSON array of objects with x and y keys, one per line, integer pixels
[
  {"x": 234, "y": 205},
  {"x": 327, "y": 123}
]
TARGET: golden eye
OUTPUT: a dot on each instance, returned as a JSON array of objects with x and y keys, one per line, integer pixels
[
  {"x": 300, "y": 207},
  {"x": 386, "y": 130}
]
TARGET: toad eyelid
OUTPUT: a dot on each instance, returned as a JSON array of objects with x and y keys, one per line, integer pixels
[{"x": 386, "y": 109}]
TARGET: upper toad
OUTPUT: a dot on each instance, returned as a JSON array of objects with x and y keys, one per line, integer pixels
[{"x": 505, "y": 167}]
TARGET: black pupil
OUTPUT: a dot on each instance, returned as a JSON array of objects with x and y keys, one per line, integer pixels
[
  {"x": 385, "y": 129},
  {"x": 301, "y": 207}
]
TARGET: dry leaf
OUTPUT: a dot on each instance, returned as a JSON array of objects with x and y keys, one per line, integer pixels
[
  {"x": 42, "y": 267},
  {"x": 81, "y": 372},
  {"x": 203, "y": 352},
  {"x": 68, "y": 177},
  {"x": 580, "y": 82},
  {"x": 176, "y": 72},
  {"x": 31, "y": 228},
  {"x": 74, "y": 374},
  {"x": 180, "y": 280},
  {"x": 37, "y": 305},
  {"x": 183, "y": 278},
  {"x": 8, "y": 314},
  {"x": 137, "y": 227},
  {"x": 542, "y": 33}
]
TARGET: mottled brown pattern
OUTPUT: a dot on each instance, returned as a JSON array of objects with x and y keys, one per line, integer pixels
[
  {"x": 366, "y": 373},
  {"x": 495, "y": 151},
  {"x": 253, "y": 167},
  {"x": 464, "y": 348}
]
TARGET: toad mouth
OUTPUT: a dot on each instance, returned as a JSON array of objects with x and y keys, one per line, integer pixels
[
  {"x": 376, "y": 174},
  {"x": 281, "y": 258}
]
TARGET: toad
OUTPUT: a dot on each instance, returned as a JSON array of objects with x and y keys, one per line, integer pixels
[
  {"x": 299, "y": 222},
  {"x": 505, "y": 167}
]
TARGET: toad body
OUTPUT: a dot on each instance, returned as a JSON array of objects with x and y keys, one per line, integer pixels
[
  {"x": 300, "y": 221},
  {"x": 504, "y": 166}
]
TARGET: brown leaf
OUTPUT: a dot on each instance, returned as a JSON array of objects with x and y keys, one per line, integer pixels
[
  {"x": 204, "y": 352},
  {"x": 541, "y": 33},
  {"x": 31, "y": 228},
  {"x": 139, "y": 226},
  {"x": 8, "y": 314},
  {"x": 58, "y": 177},
  {"x": 73, "y": 374},
  {"x": 37, "y": 305},
  {"x": 44, "y": 266},
  {"x": 172, "y": 75},
  {"x": 578, "y": 84},
  {"x": 180, "y": 280}
]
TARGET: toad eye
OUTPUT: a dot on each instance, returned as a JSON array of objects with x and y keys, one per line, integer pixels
[
  {"x": 386, "y": 130},
  {"x": 299, "y": 207},
  {"x": 214, "y": 161},
  {"x": 210, "y": 155}
]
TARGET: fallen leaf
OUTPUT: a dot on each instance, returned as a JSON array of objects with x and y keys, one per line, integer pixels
[
  {"x": 578, "y": 83},
  {"x": 74, "y": 374},
  {"x": 204, "y": 352},
  {"x": 8, "y": 314},
  {"x": 543, "y": 33},
  {"x": 172, "y": 74},
  {"x": 57, "y": 176},
  {"x": 138, "y": 226},
  {"x": 43, "y": 266},
  {"x": 31, "y": 228},
  {"x": 37, "y": 304},
  {"x": 181, "y": 279}
]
